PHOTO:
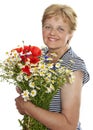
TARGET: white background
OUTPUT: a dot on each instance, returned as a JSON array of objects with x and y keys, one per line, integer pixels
[{"x": 21, "y": 20}]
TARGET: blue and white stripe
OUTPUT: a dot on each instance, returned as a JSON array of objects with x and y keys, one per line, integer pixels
[{"x": 75, "y": 63}]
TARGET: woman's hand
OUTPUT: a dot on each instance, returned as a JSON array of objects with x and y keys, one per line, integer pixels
[
  {"x": 20, "y": 105},
  {"x": 18, "y": 90},
  {"x": 20, "y": 102}
]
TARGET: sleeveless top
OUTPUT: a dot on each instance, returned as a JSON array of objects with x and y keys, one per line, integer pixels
[{"x": 73, "y": 62}]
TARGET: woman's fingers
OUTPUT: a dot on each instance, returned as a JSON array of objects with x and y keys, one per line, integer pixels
[
  {"x": 19, "y": 105},
  {"x": 18, "y": 90}
]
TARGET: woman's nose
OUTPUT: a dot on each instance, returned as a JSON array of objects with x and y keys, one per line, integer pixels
[{"x": 53, "y": 31}]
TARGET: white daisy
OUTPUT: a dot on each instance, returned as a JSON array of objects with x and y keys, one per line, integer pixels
[
  {"x": 25, "y": 95},
  {"x": 33, "y": 93}
]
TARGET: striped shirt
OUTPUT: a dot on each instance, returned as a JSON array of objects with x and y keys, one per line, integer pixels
[{"x": 73, "y": 62}]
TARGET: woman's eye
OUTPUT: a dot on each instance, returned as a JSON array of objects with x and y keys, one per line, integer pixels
[
  {"x": 47, "y": 27},
  {"x": 60, "y": 29}
]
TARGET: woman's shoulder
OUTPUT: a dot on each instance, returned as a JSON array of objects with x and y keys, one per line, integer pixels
[
  {"x": 74, "y": 62},
  {"x": 70, "y": 54},
  {"x": 71, "y": 59}
]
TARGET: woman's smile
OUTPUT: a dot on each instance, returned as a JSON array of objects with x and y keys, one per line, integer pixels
[{"x": 52, "y": 39}]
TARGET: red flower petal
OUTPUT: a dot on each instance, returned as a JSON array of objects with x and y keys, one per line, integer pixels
[
  {"x": 36, "y": 51},
  {"x": 26, "y": 49},
  {"x": 34, "y": 59},
  {"x": 26, "y": 70},
  {"x": 24, "y": 58},
  {"x": 19, "y": 50}
]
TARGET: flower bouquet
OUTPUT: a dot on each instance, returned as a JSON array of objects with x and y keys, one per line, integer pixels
[{"x": 37, "y": 76}]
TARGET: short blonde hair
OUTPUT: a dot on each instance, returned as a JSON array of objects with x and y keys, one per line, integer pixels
[{"x": 67, "y": 13}]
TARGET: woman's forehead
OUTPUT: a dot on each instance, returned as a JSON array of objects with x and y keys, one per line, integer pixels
[{"x": 56, "y": 19}]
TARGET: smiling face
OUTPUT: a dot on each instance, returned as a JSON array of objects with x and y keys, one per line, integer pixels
[{"x": 56, "y": 33}]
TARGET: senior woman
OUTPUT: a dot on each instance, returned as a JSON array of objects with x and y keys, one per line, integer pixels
[{"x": 58, "y": 25}]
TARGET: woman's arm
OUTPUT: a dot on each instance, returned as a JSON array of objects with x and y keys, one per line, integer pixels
[{"x": 68, "y": 119}]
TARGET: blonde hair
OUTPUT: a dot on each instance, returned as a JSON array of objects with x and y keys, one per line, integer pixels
[{"x": 67, "y": 13}]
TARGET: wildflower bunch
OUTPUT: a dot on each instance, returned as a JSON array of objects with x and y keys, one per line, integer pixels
[{"x": 37, "y": 76}]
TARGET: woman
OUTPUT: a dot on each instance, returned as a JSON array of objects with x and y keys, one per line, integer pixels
[{"x": 58, "y": 26}]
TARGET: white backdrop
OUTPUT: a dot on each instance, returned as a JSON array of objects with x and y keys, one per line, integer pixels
[{"x": 21, "y": 20}]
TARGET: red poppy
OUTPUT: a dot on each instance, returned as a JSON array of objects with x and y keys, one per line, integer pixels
[
  {"x": 31, "y": 52},
  {"x": 35, "y": 51},
  {"x": 26, "y": 49},
  {"x": 26, "y": 70},
  {"x": 19, "y": 50},
  {"x": 34, "y": 59},
  {"x": 23, "y": 58}
]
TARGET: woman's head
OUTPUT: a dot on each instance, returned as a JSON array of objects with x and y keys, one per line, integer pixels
[{"x": 67, "y": 13}]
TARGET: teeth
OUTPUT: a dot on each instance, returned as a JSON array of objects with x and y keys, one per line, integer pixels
[{"x": 52, "y": 39}]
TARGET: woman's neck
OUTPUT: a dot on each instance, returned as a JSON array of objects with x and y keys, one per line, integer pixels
[{"x": 59, "y": 53}]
